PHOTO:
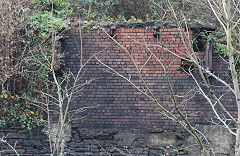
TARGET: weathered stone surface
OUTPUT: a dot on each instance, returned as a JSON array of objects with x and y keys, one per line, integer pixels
[
  {"x": 220, "y": 138},
  {"x": 131, "y": 142},
  {"x": 163, "y": 139},
  {"x": 139, "y": 143},
  {"x": 156, "y": 152},
  {"x": 101, "y": 134},
  {"x": 125, "y": 138},
  {"x": 13, "y": 135}
]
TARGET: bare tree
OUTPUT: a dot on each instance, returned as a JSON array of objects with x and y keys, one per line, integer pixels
[
  {"x": 223, "y": 12},
  {"x": 58, "y": 104},
  {"x": 227, "y": 14},
  {"x": 18, "y": 43}
]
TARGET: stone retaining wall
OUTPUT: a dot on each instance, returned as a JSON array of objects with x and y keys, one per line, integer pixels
[{"x": 115, "y": 142}]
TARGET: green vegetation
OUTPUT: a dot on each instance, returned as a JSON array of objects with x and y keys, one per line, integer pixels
[
  {"x": 41, "y": 19},
  {"x": 134, "y": 10},
  {"x": 31, "y": 26},
  {"x": 218, "y": 40},
  {"x": 19, "y": 111},
  {"x": 21, "y": 96}
]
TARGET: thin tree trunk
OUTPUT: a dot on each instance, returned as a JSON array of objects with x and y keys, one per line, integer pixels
[{"x": 233, "y": 73}]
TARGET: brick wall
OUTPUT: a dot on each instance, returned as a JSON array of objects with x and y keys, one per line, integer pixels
[
  {"x": 121, "y": 108},
  {"x": 119, "y": 104}
]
